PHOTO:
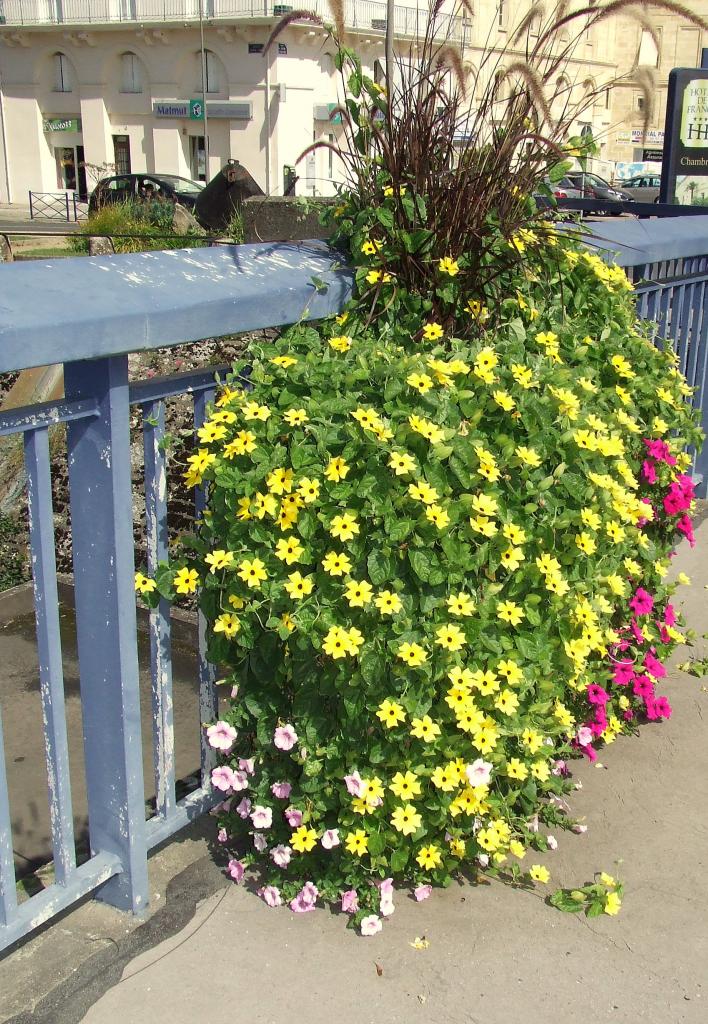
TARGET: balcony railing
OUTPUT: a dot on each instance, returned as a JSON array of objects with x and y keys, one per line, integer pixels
[
  {"x": 88, "y": 314},
  {"x": 361, "y": 15}
]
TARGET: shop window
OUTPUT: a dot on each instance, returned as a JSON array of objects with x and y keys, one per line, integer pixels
[
  {"x": 121, "y": 153},
  {"x": 62, "y": 73},
  {"x": 131, "y": 76}
]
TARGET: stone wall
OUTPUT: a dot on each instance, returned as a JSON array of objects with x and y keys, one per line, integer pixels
[{"x": 283, "y": 219}]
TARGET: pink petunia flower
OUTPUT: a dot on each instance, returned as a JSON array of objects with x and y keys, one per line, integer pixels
[
  {"x": 244, "y": 808},
  {"x": 560, "y": 768},
  {"x": 221, "y": 736},
  {"x": 330, "y": 839},
  {"x": 262, "y": 817},
  {"x": 234, "y": 691},
  {"x": 304, "y": 902},
  {"x": 281, "y": 790},
  {"x": 247, "y": 765},
  {"x": 260, "y": 842},
  {"x": 552, "y": 842},
  {"x": 386, "y": 907},
  {"x": 293, "y": 817},
  {"x": 584, "y": 735},
  {"x": 479, "y": 772},
  {"x": 270, "y": 894},
  {"x": 371, "y": 925},
  {"x": 354, "y": 783},
  {"x": 483, "y": 860},
  {"x": 236, "y": 869},
  {"x": 285, "y": 737},
  {"x": 222, "y": 836},
  {"x": 350, "y": 901},
  {"x": 240, "y": 780},
  {"x": 223, "y": 778},
  {"x": 580, "y": 829},
  {"x": 642, "y": 603},
  {"x": 422, "y": 892},
  {"x": 280, "y": 855}
]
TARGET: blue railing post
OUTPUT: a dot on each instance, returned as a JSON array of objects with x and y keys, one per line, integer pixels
[{"x": 102, "y": 534}]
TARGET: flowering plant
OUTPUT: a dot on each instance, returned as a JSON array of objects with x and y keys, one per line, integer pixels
[{"x": 434, "y": 561}]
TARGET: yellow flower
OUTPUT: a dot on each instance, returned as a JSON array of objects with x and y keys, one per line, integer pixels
[
  {"x": 528, "y": 456},
  {"x": 420, "y": 381},
  {"x": 336, "y": 564},
  {"x": 450, "y": 637},
  {"x": 295, "y": 417},
  {"x": 458, "y": 699},
  {"x": 227, "y": 396},
  {"x": 478, "y": 311},
  {"x": 430, "y": 431},
  {"x": 406, "y": 820},
  {"x": 374, "y": 276},
  {"x": 512, "y": 558},
  {"x": 540, "y": 771},
  {"x": 211, "y": 432},
  {"x": 390, "y": 713},
  {"x": 371, "y": 246},
  {"x": 457, "y": 847},
  {"x": 504, "y": 400},
  {"x": 358, "y": 593},
  {"x": 341, "y": 343},
  {"x": 539, "y": 874},
  {"x": 344, "y": 527},
  {"x": 244, "y": 508},
  {"x": 143, "y": 584},
  {"x": 219, "y": 559},
  {"x": 429, "y": 857},
  {"x": 485, "y": 682},
  {"x": 437, "y": 516},
  {"x": 412, "y": 654},
  {"x": 298, "y": 586},
  {"x": 228, "y": 624},
  {"x": 460, "y": 604},
  {"x": 444, "y": 779},
  {"x": 243, "y": 444},
  {"x": 517, "y": 848},
  {"x": 483, "y": 525},
  {"x": 254, "y": 411},
  {"x": 510, "y": 671},
  {"x": 284, "y": 361},
  {"x": 265, "y": 505},
  {"x": 485, "y": 505},
  {"x": 406, "y": 787},
  {"x": 388, "y": 603},
  {"x": 425, "y": 729},
  {"x": 516, "y": 769},
  {"x": 507, "y": 611},
  {"x": 432, "y": 331},
  {"x": 201, "y": 460},
  {"x": 185, "y": 581},
  {"x": 423, "y": 492},
  {"x": 507, "y": 702},
  {"x": 586, "y": 543},
  {"x": 289, "y": 551},
  {"x": 336, "y": 643},
  {"x": 401, "y": 463},
  {"x": 303, "y": 839},
  {"x": 357, "y": 842},
  {"x": 309, "y": 490},
  {"x": 368, "y": 419},
  {"x": 280, "y": 481},
  {"x": 252, "y": 572},
  {"x": 336, "y": 469},
  {"x": 448, "y": 266},
  {"x": 223, "y": 416},
  {"x": 354, "y": 641},
  {"x": 613, "y": 902},
  {"x": 532, "y": 739}
]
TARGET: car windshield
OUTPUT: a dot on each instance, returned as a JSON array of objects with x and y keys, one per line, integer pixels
[{"x": 180, "y": 184}]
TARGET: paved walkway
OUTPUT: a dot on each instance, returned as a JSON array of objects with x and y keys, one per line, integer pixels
[{"x": 495, "y": 956}]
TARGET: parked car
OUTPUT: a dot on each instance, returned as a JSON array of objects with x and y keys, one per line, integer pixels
[
  {"x": 592, "y": 186},
  {"x": 563, "y": 189},
  {"x": 644, "y": 188},
  {"x": 145, "y": 187}
]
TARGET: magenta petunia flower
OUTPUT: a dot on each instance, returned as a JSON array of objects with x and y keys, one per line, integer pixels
[
  {"x": 660, "y": 451},
  {"x": 657, "y": 707},
  {"x": 642, "y": 603},
  {"x": 221, "y": 736},
  {"x": 653, "y": 666},
  {"x": 293, "y": 817},
  {"x": 281, "y": 790},
  {"x": 685, "y": 526},
  {"x": 223, "y": 778},
  {"x": 285, "y": 737},
  {"x": 670, "y": 615},
  {"x": 280, "y": 855},
  {"x": 623, "y": 673},
  {"x": 350, "y": 901},
  {"x": 270, "y": 894},
  {"x": 236, "y": 869},
  {"x": 643, "y": 687},
  {"x": 371, "y": 925},
  {"x": 596, "y": 694},
  {"x": 421, "y": 892},
  {"x": 649, "y": 471}
]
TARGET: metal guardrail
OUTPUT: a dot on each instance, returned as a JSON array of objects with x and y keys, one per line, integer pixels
[
  {"x": 57, "y": 206},
  {"x": 158, "y": 299}
]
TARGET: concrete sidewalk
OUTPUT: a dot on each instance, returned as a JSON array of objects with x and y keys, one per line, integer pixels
[{"x": 496, "y": 956}]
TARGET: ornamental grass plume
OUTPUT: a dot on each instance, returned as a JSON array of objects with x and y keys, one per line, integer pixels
[{"x": 419, "y": 702}]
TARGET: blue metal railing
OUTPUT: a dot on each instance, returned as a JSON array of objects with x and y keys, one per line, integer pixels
[{"x": 89, "y": 314}]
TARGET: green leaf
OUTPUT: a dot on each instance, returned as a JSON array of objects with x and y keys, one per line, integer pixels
[
  {"x": 381, "y": 567},
  {"x": 399, "y": 859},
  {"x": 385, "y": 217},
  {"x": 372, "y": 666}
]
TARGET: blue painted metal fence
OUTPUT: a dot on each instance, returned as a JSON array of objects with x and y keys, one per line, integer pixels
[{"x": 89, "y": 314}]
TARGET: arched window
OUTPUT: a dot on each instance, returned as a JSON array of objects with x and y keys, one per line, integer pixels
[
  {"x": 63, "y": 78},
  {"x": 213, "y": 72},
  {"x": 131, "y": 73}
]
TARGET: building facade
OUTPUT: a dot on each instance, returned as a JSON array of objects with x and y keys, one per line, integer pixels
[{"x": 93, "y": 87}]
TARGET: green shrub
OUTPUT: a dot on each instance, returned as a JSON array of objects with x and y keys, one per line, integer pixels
[{"x": 149, "y": 224}]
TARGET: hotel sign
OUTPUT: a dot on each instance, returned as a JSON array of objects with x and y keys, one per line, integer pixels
[{"x": 684, "y": 173}]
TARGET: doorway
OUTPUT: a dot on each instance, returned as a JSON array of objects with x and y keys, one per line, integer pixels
[
  {"x": 71, "y": 171},
  {"x": 121, "y": 154},
  {"x": 197, "y": 158}
]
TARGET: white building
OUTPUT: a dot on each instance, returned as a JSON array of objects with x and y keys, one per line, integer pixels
[{"x": 118, "y": 83}]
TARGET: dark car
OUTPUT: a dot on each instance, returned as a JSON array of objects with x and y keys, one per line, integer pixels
[
  {"x": 145, "y": 188},
  {"x": 592, "y": 186}
]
